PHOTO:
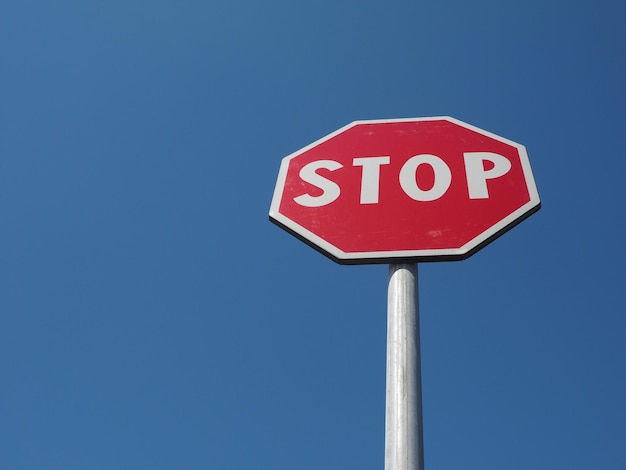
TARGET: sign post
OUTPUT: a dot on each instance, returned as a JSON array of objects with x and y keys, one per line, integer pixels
[
  {"x": 402, "y": 191},
  {"x": 404, "y": 442}
]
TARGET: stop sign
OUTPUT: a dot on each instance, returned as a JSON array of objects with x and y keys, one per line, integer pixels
[{"x": 404, "y": 190}]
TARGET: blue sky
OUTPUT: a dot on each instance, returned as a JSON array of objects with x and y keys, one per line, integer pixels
[{"x": 152, "y": 317}]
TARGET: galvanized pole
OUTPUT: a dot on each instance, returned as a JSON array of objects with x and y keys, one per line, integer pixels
[{"x": 404, "y": 445}]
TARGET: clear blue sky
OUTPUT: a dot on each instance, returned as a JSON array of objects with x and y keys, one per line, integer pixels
[{"x": 152, "y": 318}]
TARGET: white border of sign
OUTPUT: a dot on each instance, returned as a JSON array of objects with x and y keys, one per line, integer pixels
[{"x": 406, "y": 255}]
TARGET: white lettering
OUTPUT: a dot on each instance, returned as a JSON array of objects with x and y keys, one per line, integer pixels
[
  {"x": 330, "y": 189},
  {"x": 476, "y": 174},
  {"x": 408, "y": 177},
  {"x": 370, "y": 177}
]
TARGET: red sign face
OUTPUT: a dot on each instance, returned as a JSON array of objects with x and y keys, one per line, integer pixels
[{"x": 404, "y": 190}]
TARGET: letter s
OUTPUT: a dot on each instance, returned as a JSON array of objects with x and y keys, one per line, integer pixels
[{"x": 330, "y": 189}]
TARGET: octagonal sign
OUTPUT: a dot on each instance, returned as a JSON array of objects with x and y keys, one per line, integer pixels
[{"x": 404, "y": 190}]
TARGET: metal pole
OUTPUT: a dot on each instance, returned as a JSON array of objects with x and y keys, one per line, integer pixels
[{"x": 404, "y": 445}]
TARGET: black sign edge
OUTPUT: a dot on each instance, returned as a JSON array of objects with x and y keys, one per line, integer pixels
[{"x": 410, "y": 259}]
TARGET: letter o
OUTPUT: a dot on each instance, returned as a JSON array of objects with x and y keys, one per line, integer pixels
[{"x": 408, "y": 177}]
